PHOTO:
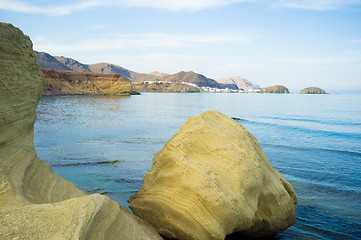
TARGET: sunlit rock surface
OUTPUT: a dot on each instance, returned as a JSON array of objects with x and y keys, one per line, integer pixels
[
  {"x": 212, "y": 179},
  {"x": 35, "y": 203}
]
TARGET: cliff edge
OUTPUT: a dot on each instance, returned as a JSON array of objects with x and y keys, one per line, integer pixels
[{"x": 35, "y": 203}]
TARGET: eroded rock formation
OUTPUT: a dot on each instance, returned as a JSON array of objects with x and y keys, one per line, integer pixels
[
  {"x": 212, "y": 179},
  {"x": 35, "y": 203},
  {"x": 72, "y": 82}
]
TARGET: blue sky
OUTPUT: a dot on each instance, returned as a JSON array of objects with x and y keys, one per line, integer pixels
[{"x": 297, "y": 43}]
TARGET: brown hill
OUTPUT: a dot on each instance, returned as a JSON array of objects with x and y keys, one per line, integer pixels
[
  {"x": 108, "y": 68},
  {"x": 275, "y": 89},
  {"x": 69, "y": 64},
  {"x": 48, "y": 61},
  {"x": 159, "y": 74},
  {"x": 73, "y": 64},
  {"x": 313, "y": 90},
  {"x": 191, "y": 77},
  {"x": 84, "y": 83},
  {"x": 164, "y": 87}
]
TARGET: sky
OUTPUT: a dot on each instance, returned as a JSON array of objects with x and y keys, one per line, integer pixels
[{"x": 296, "y": 43}]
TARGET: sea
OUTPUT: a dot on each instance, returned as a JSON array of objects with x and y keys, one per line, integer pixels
[{"x": 106, "y": 144}]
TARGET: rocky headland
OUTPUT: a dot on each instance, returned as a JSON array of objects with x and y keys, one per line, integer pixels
[
  {"x": 84, "y": 83},
  {"x": 275, "y": 89},
  {"x": 34, "y": 202},
  {"x": 312, "y": 90}
]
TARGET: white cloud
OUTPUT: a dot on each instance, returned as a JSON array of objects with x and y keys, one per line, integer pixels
[
  {"x": 320, "y": 61},
  {"x": 317, "y": 4},
  {"x": 180, "y": 5},
  {"x": 25, "y": 7},
  {"x": 137, "y": 41}
]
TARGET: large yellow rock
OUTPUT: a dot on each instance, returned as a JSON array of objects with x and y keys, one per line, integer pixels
[
  {"x": 35, "y": 203},
  {"x": 212, "y": 179}
]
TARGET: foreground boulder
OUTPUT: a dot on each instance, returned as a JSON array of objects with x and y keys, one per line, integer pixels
[
  {"x": 212, "y": 179},
  {"x": 275, "y": 89},
  {"x": 312, "y": 90},
  {"x": 35, "y": 203}
]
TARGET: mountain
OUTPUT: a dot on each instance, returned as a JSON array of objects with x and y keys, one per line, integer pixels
[
  {"x": 73, "y": 64},
  {"x": 159, "y": 74},
  {"x": 191, "y": 77},
  {"x": 275, "y": 89},
  {"x": 69, "y": 64},
  {"x": 48, "y": 61},
  {"x": 240, "y": 82},
  {"x": 108, "y": 68}
]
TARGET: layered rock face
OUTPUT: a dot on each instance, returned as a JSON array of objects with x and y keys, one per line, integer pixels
[
  {"x": 312, "y": 90},
  {"x": 35, "y": 203},
  {"x": 71, "y": 82},
  {"x": 212, "y": 179},
  {"x": 275, "y": 89}
]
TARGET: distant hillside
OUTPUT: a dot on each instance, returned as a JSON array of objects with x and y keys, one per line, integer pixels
[
  {"x": 191, "y": 77},
  {"x": 84, "y": 83},
  {"x": 275, "y": 89},
  {"x": 69, "y": 64},
  {"x": 73, "y": 64},
  {"x": 159, "y": 74},
  {"x": 164, "y": 87},
  {"x": 108, "y": 68},
  {"x": 240, "y": 82},
  {"x": 48, "y": 61}
]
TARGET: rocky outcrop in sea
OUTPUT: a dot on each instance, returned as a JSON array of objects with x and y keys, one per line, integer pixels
[
  {"x": 212, "y": 179},
  {"x": 275, "y": 89},
  {"x": 312, "y": 90}
]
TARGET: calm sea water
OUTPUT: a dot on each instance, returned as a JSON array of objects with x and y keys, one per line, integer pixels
[{"x": 106, "y": 145}]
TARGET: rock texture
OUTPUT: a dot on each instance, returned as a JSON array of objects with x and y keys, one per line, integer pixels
[
  {"x": 313, "y": 90},
  {"x": 212, "y": 179},
  {"x": 275, "y": 89},
  {"x": 71, "y": 83},
  {"x": 35, "y": 203}
]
